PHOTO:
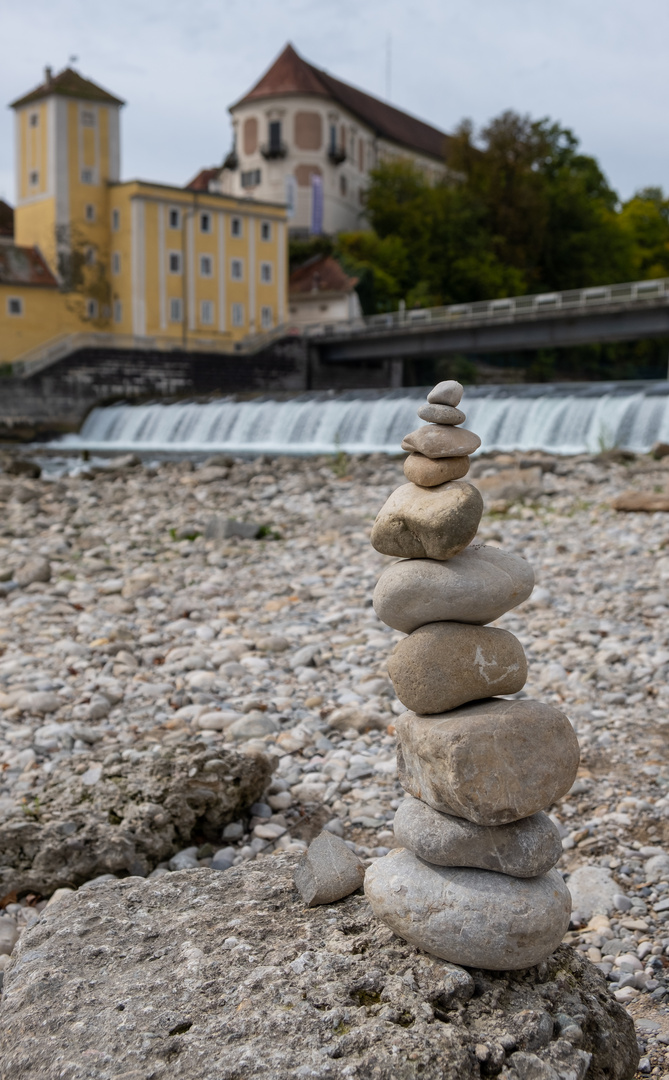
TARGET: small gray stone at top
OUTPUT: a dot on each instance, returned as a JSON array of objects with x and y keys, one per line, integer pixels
[
  {"x": 448, "y": 392},
  {"x": 328, "y": 871}
]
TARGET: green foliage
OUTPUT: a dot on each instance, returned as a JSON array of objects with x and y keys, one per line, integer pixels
[
  {"x": 299, "y": 251},
  {"x": 522, "y": 210}
]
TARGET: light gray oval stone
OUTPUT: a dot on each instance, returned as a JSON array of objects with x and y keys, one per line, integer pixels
[
  {"x": 522, "y": 849},
  {"x": 476, "y": 586},
  {"x": 446, "y": 664},
  {"x": 448, "y": 392},
  {"x": 441, "y": 414},
  {"x": 491, "y": 762},
  {"x": 471, "y": 917}
]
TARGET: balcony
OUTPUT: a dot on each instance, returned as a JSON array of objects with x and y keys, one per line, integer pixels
[
  {"x": 231, "y": 161},
  {"x": 337, "y": 154},
  {"x": 273, "y": 150}
]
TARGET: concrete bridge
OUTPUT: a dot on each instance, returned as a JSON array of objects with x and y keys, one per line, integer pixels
[{"x": 607, "y": 313}]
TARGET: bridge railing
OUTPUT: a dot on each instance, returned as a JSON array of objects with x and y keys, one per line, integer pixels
[{"x": 508, "y": 308}]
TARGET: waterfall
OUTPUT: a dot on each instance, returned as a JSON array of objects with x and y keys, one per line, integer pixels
[{"x": 558, "y": 418}]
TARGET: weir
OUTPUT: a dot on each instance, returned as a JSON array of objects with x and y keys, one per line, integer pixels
[{"x": 557, "y": 418}]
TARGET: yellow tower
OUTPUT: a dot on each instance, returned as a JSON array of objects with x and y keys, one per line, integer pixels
[{"x": 67, "y": 153}]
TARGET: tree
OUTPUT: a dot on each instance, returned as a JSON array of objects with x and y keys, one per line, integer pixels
[{"x": 645, "y": 219}]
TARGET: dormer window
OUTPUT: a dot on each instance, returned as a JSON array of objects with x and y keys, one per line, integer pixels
[
  {"x": 87, "y": 118},
  {"x": 34, "y": 119},
  {"x": 34, "y": 178}
]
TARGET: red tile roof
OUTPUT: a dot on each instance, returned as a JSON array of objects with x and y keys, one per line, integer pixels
[
  {"x": 322, "y": 273},
  {"x": 6, "y": 219},
  {"x": 290, "y": 74},
  {"x": 68, "y": 83},
  {"x": 201, "y": 181},
  {"x": 24, "y": 266}
]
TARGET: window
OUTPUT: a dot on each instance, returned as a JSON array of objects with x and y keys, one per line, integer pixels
[
  {"x": 205, "y": 223},
  {"x": 91, "y": 309},
  {"x": 34, "y": 178},
  {"x": 265, "y": 230},
  {"x": 175, "y": 310},
  {"x": 89, "y": 256},
  {"x": 87, "y": 176},
  {"x": 266, "y": 273},
  {"x": 237, "y": 314},
  {"x": 236, "y": 226},
  {"x": 116, "y": 220},
  {"x": 333, "y": 138},
  {"x": 116, "y": 262},
  {"x": 34, "y": 119},
  {"x": 118, "y": 311},
  {"x": 343, "y": 186},
  {"x": 207, "y": 313},
  {"x": 275, "y": 136},
  {"x": 14, "y": 305},
  {"x": 89, "y": 212},
  {"x": 175, "y": 219},
  {"x": 206, "y": 266},
  {"x": 237, "y": 269},
  {"x": 175, "y": 262},
  {"x": 250, "y": 178},
  {"x": 87, "y": 118},
  {"x": 266, "y": 317}
]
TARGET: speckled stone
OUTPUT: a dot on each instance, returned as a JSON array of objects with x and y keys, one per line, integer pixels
[{"x": 472, "y": 917}]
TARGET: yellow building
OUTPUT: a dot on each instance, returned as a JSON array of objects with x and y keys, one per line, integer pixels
[{"x": 152, "y": 264}]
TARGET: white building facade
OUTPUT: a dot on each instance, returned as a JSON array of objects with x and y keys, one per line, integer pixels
[{"x": 307, "y": 139}]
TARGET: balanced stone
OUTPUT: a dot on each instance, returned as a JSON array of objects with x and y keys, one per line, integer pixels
[
  {"x": 439, "y": 441},
  {"x": 428, "y": 472},
  {"x": 446, "y": 664},
  {"x": 441, "y": 414},
  {"x": 492, "y": 762},
  {"x": 448, "y": 392},
  {"x": 476, "y": 586},
  {"x": 467, "y": 916},
  {"x": 523, "y": 849},
  {"x": 435, "y": 523}
]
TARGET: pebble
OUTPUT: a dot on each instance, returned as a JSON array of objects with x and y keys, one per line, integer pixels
[
  {"x": 441, "y": 414},
  {"x": 434, "y": 523},
  {"x": 483, "y": 919},
  {"x": 446, "y": 664},
  {"x": 523, "y": 849},
  {"x": 477, "y": 586},
  {"x": 447, "y": 392},
  {"x": 492, "y": 762},
  {"x": 328, "y": 871},
  {"x": 439, "y": 441}
]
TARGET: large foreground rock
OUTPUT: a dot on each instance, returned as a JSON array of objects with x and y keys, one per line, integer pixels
[
  {"x": 126, "y": 817},
  {"x": 469, "y": 916},
  {"x": 446, "y": 664},
  {"x": 476, "y": 586},
  {"x": 198, "y": 975},
  {"x": 492, "y": 762}
]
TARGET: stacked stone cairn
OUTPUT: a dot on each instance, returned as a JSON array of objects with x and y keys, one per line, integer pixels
[{"x": 474, "y": 882}]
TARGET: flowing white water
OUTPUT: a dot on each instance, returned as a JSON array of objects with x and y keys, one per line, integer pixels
[{"x": 562, "y": 420}]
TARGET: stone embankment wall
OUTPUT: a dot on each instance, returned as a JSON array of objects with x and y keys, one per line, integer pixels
[{"x": 58, "y": 399}]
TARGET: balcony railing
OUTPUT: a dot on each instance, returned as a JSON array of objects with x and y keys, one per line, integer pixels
[
  {"x": 272, "y": 150},
  {"x": 337, "y": 154}
]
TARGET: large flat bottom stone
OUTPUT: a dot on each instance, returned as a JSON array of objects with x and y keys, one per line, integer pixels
[
  {"x": 477, "y": 918},
  {"x": 201, "y": 975}
]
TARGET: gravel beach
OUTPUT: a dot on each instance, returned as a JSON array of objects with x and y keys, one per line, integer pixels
[{"x": 136, "y": 621}]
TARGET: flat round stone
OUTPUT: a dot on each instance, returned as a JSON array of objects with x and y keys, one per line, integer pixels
[
  {"x": 492, "y": 762},
  {"x": 476, "y": 586},
  {"x": 445, "y": 664},
  {"x": 440, "y": 441},
  {"x": 441, "y": 414},
  {"x": 475, "y": 918},
  {"x": 429, "y": 472},
  {"x": 448, "y": 392},
  {"x": 428, "y": 523},
  {"x": 523, "y": 849}
]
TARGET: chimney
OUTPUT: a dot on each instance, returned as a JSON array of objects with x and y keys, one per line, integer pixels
[{"x": 48, "y": 74}]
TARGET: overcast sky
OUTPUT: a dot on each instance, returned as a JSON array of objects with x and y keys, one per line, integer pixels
[{"x": 597, "y": 66}]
